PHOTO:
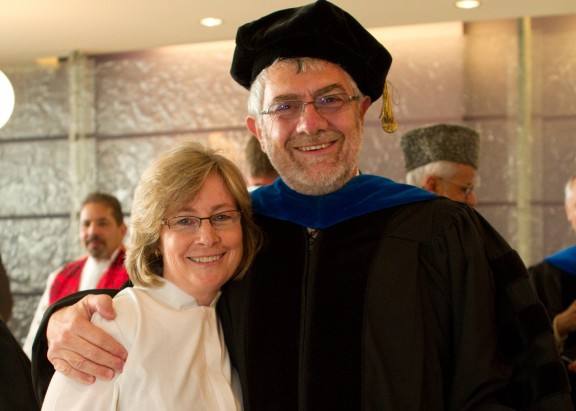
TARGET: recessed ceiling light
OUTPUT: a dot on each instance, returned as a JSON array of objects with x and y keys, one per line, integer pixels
[
  {"x": 52, "y": 61},
  {"x": 211, "y": 21},
  {"x": 467, "y": 4}
]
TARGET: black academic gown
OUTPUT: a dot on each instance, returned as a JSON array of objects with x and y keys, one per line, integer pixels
[
  {"x": 410, "y": 306},
  {"x": 16, "y": 390},
  {"x": 417, "y": 307},
  {"x": 557, "y": 290}
]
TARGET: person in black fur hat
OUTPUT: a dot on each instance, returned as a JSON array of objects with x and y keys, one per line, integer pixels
[
  {"x": 367, "y": 294},
  {"x": 443, "y": 159}
]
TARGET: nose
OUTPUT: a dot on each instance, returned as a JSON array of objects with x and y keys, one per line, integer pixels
[
  {"x": 206, "y": 233},
  {"x": 90, "y": 229},
  {"x": 310, "y": 121},
  {"x": 471, "y": 199}
]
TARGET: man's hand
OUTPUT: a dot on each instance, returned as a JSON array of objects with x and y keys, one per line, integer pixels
[
  {"x": 566, "y": 321},
  {"x": 79, "y": 349}
]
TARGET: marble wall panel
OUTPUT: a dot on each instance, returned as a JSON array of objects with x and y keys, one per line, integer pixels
[
  {"x": 34, "y": 177},
  {"x": 497, "y": 167},
  {"x": 31, "y": 249},
  {"x": 381, "y": 154},
  {"x": 22, "y": 313},
  {"x": 557, "y": 156},
  {"x": 41, "y": 102},
  {"x": 556, "y": 38},
  {"x": 556, "y": 230},
  {"x": 491, "y": 69},
  {"x": 185, "y": 88},
  {"x": 34, "y": 247},
  {"x": 427, "y": 78},
  {"x": 121, "y": 161}
]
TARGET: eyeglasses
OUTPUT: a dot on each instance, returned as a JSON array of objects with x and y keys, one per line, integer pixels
[
  {"x": 467, "y": 189},
  {"x": 293, "y": 109},
  {"x": 219, "y": 221}
]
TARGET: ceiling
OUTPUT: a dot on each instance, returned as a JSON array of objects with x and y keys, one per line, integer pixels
[{"x": 32, "y": 29}]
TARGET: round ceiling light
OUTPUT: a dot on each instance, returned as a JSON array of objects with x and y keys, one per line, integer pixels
[
  {"x": 6, "y": 99},
  {"x": 467, "y": 4},
  {"x": 211, "y": 21}
]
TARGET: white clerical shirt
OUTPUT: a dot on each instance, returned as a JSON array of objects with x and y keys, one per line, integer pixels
[{"x": 177, "y": 359}]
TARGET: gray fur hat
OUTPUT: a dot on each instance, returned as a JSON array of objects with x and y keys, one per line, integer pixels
[{"x": 440, "y": 142}]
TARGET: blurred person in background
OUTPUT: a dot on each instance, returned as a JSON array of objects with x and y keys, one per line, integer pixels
[
  {"x": 260, "y": 171},
  {"x": 443, "y": 159},
  {"x": 102, "y": 232},
  {"x": 554, "y": 279}
]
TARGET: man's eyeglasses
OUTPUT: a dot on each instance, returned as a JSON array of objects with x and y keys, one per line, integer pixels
[
  {"x": 467, "y": 189},
  {"x": 293, "y": 109},
  {"x": 219, "y": 221}
]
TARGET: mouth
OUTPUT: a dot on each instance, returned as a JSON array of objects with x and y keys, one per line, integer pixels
[
  {"x": 93, "y": 242},
  {"x": 315, "y": 147},
  {"x": 206, "y": 259}
]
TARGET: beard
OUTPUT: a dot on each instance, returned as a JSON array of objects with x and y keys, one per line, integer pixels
[
  {"x": 96, "y": 247},
  {"x": 316, "y": 174}
]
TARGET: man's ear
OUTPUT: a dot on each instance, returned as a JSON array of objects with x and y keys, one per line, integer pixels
[
  {"x": 364, "y": 106},
  {"x": 432, "y": 184},
  {"x": 254, "y": 128}
]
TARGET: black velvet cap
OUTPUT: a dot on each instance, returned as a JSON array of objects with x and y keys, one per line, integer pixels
[{"x": 319, "y": 30}]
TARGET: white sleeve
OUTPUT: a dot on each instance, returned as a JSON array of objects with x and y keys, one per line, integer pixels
[
  {"x": 65, "y": 393},
  {"x": 39, "y": 313}
]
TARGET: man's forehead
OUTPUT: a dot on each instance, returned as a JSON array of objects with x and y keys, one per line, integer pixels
[
  {"x": 283, "y": 79},
  {"x": 292, "y": 67},
  {"x": 94, "y": 211}
]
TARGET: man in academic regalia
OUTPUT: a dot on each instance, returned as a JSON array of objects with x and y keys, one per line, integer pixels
[{"x": 555, "y": 282}]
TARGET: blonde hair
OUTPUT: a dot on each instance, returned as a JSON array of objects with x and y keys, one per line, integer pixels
[{"x": 170, "y": 183}]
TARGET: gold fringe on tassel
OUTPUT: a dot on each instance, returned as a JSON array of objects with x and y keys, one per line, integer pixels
[{"x": 389, "y": 125}]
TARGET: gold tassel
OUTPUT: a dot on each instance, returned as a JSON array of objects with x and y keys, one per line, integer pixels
[{"x": 389, "y": 125}]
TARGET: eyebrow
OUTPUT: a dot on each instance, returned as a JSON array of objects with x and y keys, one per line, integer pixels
[
  {"x": 95, "y": 220},
  {"x": 324, "y": 90},
  {"x": 214, "y": 209}
]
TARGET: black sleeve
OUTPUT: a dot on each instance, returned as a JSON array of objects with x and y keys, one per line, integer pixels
[
  {"x": 6, "y": 300},
  {"x": 16, "y": 390},
  {"x": 42, "y": 369}
]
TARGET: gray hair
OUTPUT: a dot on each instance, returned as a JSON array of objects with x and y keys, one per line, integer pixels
[
  {"x": 568, "y": 192},
  {"x": 302, "y": 65},
  {"x": 443, "y": 169}
]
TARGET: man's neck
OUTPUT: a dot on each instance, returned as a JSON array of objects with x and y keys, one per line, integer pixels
[{"x": 94, "y": 269}]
